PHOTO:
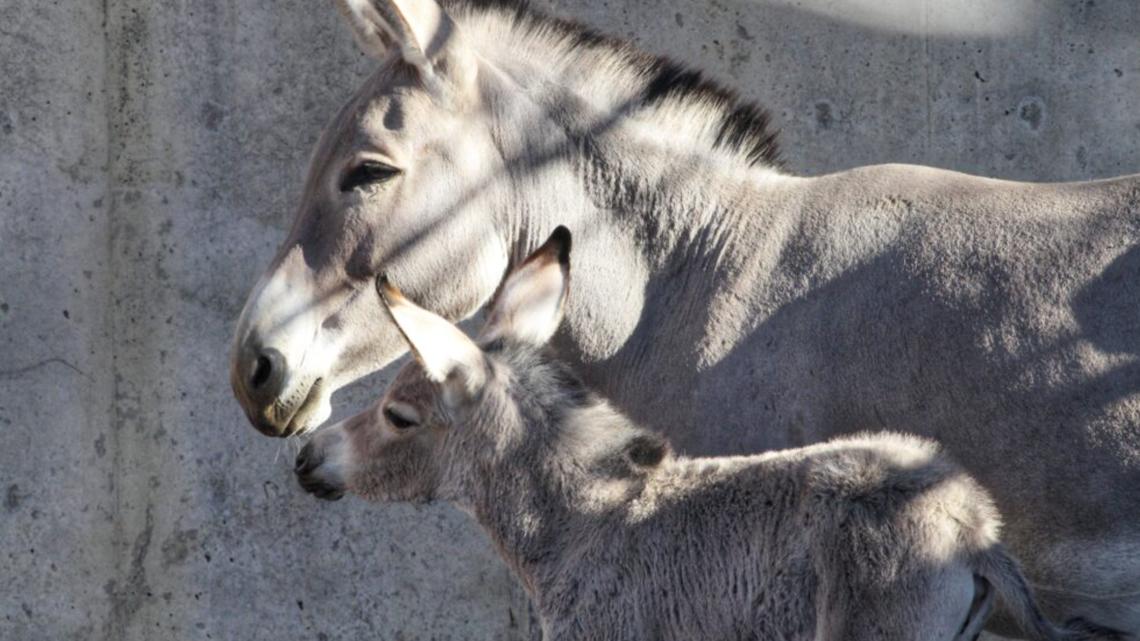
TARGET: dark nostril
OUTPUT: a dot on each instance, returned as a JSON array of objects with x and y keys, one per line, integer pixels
[
  {"x": 305, "y": 462},
  {"x": 262, "y": 370}
]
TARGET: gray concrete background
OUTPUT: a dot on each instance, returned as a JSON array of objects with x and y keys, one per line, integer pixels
[{"x": 150, "y": 155}]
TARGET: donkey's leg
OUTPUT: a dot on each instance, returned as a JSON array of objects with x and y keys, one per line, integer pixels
[{"x": 1091, "y": 585}]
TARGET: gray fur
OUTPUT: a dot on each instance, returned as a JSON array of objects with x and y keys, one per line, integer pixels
[
  {"x": 875, "y": 536},
  {"x": 737, "y": 307}
]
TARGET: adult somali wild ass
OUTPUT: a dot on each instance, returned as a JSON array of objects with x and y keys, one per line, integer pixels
[
  {"x": 871, "y": 537},
  {"x": 745, "y": 308}
]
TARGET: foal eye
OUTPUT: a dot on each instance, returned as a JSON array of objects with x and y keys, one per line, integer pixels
[
  {"x": 368, "y": 172},
  {"x": 400, "y": 419}
]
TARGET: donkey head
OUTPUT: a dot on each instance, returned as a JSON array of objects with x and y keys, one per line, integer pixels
[
  {"x": 399, "y": 182},
  {"x": 458, "y": 400}
]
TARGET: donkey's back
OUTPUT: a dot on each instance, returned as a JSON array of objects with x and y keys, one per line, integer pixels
[{"x": 867, "y": 537}]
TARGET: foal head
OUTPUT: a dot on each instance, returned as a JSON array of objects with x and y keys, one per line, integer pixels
[{"x": 462, "y": 407}]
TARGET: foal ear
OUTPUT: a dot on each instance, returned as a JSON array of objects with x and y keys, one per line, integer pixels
[
  {"x": 446, "y": 354},
  {"x": 419, "y": 29},
  {"x": 530, "y": 304}
]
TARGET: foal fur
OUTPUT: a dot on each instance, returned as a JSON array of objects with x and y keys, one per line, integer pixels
[{"x": 614, "y": 537}]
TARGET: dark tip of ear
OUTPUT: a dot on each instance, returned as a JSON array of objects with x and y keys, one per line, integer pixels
[
  {"x": 557, "y": 245},
  {"x": 647, "y": 450},
  {"x": 389, "y": 293},
  {"x": 561, "y": 241}
]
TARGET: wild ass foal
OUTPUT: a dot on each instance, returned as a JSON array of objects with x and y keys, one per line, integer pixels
[{"x": 867, "y": 537}]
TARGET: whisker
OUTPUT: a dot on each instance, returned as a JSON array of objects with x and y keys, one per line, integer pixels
[{"x": 295, "y": 445}]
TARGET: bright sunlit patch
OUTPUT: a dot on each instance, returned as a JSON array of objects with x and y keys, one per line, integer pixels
[{"x": 930, "y": 17}]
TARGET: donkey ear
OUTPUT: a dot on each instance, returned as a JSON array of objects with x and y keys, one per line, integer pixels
[
  {"x": 446, "y": 354},
  {"x": 530, "y": 304},
  {"x": 419, "y": 29}
]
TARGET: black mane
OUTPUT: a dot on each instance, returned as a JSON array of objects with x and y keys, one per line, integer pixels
[{"x": 744, "y": 127}]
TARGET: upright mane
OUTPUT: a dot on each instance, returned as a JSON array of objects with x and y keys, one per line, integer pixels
[{"x": 616, "y": 75}]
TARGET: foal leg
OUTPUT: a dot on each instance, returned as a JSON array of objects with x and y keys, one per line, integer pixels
[{"x": 935, "y": 604}]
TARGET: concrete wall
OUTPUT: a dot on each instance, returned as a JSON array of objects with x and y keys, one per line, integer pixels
[{"x": 150, "y": 155}]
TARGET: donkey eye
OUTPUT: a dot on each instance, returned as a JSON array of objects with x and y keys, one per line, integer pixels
[
  {"x": 368, "y": 172},
  {"x": 401, "y": 418}
]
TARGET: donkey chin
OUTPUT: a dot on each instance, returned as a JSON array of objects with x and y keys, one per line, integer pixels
[{"x": 310, "y": 406}]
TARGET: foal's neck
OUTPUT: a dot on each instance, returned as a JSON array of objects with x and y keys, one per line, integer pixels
[
  {"x": 548, "y": 501},
  {"x": 523, "y": 528}
]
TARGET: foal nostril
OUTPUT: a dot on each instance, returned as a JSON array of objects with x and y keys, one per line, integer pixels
[
  {"x": 305, "y": 460},
  {"x": 261, "y": 371}
]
